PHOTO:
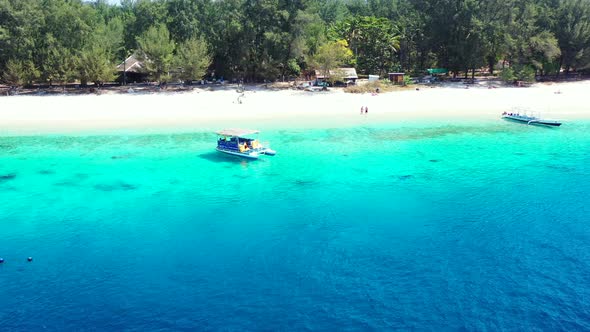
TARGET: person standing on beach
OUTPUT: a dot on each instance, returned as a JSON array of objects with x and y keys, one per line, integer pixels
[
  {"x": 366, "y": 109},
  {"x": 362, "y": 109}
]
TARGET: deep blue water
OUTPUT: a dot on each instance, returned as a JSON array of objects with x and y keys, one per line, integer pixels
[{"x": 431, "y": 226}]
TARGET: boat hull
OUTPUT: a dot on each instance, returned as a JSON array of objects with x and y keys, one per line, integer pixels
[
  {"x": 550, "y": 124},
  {"x": 253, "y": 155},
  {"x": 269, "y": 152},
  {"x": 534, "y": 122}
]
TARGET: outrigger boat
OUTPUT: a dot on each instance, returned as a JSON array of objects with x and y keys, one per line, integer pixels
[
  {"x": 529, "y": 119},
  {"x": 238, "y": 142}
]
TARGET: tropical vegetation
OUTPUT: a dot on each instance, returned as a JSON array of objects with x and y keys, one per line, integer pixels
[{"x": 59, "y": 41}]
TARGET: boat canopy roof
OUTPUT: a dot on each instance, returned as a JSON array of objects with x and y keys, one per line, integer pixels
[{"x": 237, "y": 132}]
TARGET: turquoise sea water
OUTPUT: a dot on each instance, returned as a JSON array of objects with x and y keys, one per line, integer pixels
[{"x": 421, "y": 226}]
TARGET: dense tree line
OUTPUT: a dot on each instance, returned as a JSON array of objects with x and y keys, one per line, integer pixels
[{"x": 57, "y": 41}]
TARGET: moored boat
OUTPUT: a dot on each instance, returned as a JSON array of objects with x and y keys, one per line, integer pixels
[
  {"x": 530, "y": 119},
  {"x": 239, "y": 142}
]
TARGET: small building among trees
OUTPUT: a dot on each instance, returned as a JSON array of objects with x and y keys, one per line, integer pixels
[
  {"x": 346, "y": 76},
  {"x": 132, "y": 70},
  {"x": 397, "y": 78}
]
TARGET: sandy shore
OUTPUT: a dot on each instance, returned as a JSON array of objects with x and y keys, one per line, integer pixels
[{"x": 202, "y": 109}]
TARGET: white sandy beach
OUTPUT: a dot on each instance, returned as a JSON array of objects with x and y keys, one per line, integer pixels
[{"x": 281, "y": 109}]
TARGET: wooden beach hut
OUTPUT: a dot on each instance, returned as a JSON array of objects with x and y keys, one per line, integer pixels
[
  {"x": 348, "y": 75},
  {"x": 397, "y": 78},
  {"x": 132, "y": 70}
]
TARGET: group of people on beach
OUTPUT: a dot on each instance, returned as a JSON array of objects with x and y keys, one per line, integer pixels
[{"x": 364, "y": 110}]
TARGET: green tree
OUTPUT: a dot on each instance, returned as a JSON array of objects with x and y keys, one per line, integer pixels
[
  {"x": 96, "y": 60},
  {"x": 453, "y": 32},
  {"x": 531, "y": 42},
  {"x": 311, "y": 31},
  {"x": 192, "y": 59},
  {"x": 111, "y": 36},
  {"x": 495, "y": 19},
  {"x": 187, "y": 19},
  {"x": 374, "y": 41},
  {"x": 156, "y": 49},
  {"x": 14, "y": 73},
  {"x": 59, "y": 65},
  {"x": 293, "y": 68},
  {"x": 228, "y": 38},
  {"x": 330, "y": 56},
  {"x": 330, "y": 11},
  {"x": 265, "y": 39},
  {"x": 266, "y": 24},
  {"x": 508, "y": 75},
  {"x": 21, "y": 24},
  {"x": 20, "y": 72},
  {"x": 67, "y": 27},
  {"x": 94, "y": 65},
  {"x": 142, "y": 15},
  {"x": 414, "y": 53},
  {"x": 572, "y": 29}
]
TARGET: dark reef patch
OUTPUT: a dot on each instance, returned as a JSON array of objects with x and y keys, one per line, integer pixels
[
  {"x": 434, "y": 160},
  {"x": 361, "y": 170},
  {"x": 303, "y": 183},
  {"x": 405, "y": 177},
  {"x": 562, "y": 168},
  {"x": 7, "y": 177},
  {"x": 46, "y": 172},
  {"x": 125, "y": 156},
  {"x": 67, "y": 183},
  {"x": 115, "y": 186},
  {"x": 74, "y": 181}
]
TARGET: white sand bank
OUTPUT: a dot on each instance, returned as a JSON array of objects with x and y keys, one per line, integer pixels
[{"x": 280, "y": 109}]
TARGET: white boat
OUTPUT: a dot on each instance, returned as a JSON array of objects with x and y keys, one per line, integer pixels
[
  {"x": 239, "y": 142},
  {"x": 522, "y": 116}
]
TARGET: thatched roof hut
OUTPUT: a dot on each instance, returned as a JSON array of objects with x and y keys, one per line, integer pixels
[
  {"x": 348, "y": 74},
  {"x": 132, "y": 65},
  {"x": 132, "y": 70}
]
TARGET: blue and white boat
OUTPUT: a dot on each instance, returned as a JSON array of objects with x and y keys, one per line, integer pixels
[
  {"x": 240, "y": 142},
  {"x": 523, "y": 117}
]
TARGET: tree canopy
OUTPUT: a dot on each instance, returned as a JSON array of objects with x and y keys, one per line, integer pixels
[
  {"x": 156, "y": 50},
  {"x": 58, "y": 41}
]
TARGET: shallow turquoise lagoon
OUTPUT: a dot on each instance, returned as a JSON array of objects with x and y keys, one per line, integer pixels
[{"x": 425, "y": 226}]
